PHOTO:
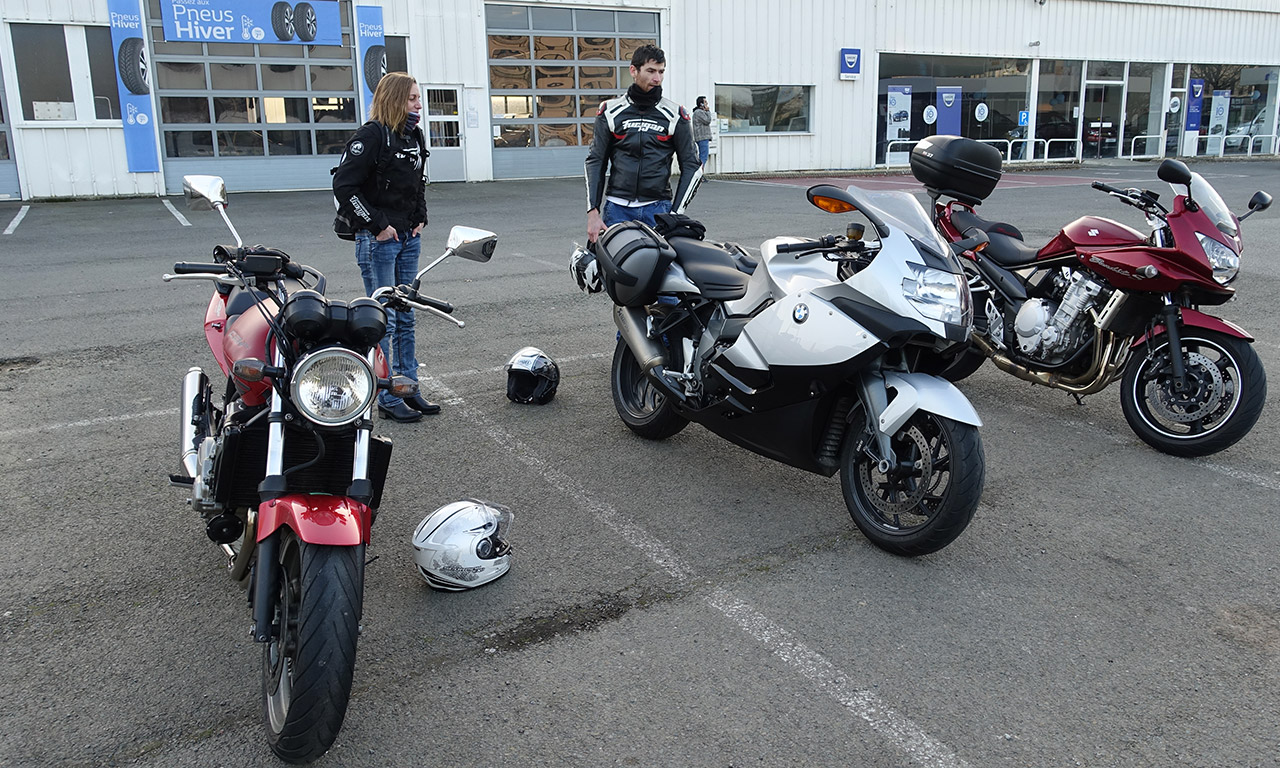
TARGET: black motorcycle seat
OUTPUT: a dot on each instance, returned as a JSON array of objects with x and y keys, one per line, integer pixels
[
  {"x": 965, "y": 220},
  {"x": 1008, "y": 251},
  {"x": 711, "y": 267}
]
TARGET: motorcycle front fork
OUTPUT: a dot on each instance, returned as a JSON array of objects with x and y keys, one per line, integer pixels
[{"x": 1171, "y": 313}]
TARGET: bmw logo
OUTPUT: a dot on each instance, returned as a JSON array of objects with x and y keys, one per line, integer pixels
[{"x": 800, "y": 313}]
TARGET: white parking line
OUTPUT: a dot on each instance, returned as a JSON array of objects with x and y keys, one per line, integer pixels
[
  {"x": 893, "y": 727},
  {"x": 23, "y": 431},
  {"x": 181, "y": 219},
  {"x": 22, "y": 213}
]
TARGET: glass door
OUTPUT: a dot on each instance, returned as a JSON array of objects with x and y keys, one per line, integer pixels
[
  {"x": 444, "y": 132},
  {"x": 1103, "y": 115},
  {"x": 1143, "y": 114}
]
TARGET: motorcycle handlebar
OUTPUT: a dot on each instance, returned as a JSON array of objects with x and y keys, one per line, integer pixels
[
  {"x": 1106, "y": 187},
  {"x": 198, "y": 268},
  {"x": 418, "y": 298},
  {"x": 794, "y": 247}
]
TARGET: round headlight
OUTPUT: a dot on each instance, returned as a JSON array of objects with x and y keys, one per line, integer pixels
[{"x": 333, "y": 386}]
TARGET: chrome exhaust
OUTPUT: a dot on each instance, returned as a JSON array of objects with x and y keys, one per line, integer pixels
[
  {"x": 194, "y": 384},
  {"x": 632, "y": 323}
]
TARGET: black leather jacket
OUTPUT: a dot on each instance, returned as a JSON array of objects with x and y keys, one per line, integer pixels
[
  {"x": 397, "y": 197},
  {"x": 632, "y": 149}
]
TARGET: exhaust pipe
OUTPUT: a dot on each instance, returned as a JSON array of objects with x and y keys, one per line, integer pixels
[
  {"x": 194, "y": 385},
  {"x": 632, "y": 324}
]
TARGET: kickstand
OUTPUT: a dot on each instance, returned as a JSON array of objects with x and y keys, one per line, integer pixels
[{"x": 1079, "y": 399}]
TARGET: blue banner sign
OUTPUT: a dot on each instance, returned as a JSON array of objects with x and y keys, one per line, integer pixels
[
  {"x": 949, "y": 110},
  {"x": 1195, "y": 100},
  {"x": 252, "y": 21},
  {"x": 134, "y": 85},
  {"x": 371, "y": 51}
]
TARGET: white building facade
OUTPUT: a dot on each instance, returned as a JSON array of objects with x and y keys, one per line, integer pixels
[{"x": 91, "y": 105}]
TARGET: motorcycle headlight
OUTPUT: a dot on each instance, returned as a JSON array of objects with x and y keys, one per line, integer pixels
[
  {"x": 938, "y": 295},
  {"x": 1225, "y": 262},
  {"x": 333, "y": 386}
]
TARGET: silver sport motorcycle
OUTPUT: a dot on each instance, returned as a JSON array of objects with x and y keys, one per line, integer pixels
[{"x": 811, "y": 357}]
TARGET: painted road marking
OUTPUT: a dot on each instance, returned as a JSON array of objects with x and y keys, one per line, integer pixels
[
  {"x": 22, "y": 214},
  {"x": 181, "y": 219}
]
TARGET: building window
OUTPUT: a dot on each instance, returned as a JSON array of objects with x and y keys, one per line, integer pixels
[
  {"x": 102, "y": 72},
  {"x": 764, "y": 108},
  {"x": 44, "y": 76},
  {"x": 549, "y": 69},
  {"x": 256, "y": 99}
]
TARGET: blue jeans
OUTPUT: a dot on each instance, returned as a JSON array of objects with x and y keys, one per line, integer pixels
[
  {"x": 704, "y": 150},
  {"x": 614, "y": 213},
  {"x": 392, "y": 262}
]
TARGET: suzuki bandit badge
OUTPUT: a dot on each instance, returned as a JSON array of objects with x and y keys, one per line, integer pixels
[{"x": 800, "y": 313}]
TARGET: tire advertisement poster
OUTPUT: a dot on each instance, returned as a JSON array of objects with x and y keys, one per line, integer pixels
[
  {"x": 310, "y": 22},
  {"x": 133, "y": 83},
  {"x": 371, "y": 52}
]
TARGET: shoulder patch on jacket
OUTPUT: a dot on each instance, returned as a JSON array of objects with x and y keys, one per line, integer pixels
[{"x": 683, "y": 115}]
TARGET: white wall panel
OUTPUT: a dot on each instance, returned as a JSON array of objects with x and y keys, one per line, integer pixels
[{"x": 78, "y": 162}]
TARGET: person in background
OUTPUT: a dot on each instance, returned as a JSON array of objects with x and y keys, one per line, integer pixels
[
  {"x": 628, "y": 167},
  {"x": 702, "y": 129},
  {"x": 380, "y": 180}
]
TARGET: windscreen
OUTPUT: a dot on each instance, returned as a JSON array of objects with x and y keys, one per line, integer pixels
[{"x": 1203, "y": 193}]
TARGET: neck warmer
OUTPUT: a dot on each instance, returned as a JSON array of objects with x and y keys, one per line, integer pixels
[
  {"x": 411, "y": 121},
  {"x": 644, "y": 99}
]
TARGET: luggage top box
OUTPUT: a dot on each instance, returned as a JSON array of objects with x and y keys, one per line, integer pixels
[{"x": 956, "y": 167}]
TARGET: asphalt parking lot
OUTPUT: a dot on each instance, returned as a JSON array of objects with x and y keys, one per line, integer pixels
[{"x": 682, "y": 603}]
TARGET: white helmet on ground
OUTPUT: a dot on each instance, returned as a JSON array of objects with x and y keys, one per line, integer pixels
[
  {"x": 463, "y": 544},
  {"x": 532, "y": 377}
]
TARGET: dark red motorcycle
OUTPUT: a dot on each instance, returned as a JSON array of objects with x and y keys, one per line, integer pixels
[
  {"x": 1102, "y": 301},
  {"x": 282, "y": 464}
]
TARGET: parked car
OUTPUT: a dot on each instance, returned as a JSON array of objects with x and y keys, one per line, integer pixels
[{"x": 1239, "y": 137}]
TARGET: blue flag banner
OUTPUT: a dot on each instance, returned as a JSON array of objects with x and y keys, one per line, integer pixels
[
  {"x": 252, "y": 21},
  {"x": 949, "y": 110},
  {"x": 1195, "y": 101},
  {"x": 371, "y": 51},
  {"x": 134, "y": 85}
]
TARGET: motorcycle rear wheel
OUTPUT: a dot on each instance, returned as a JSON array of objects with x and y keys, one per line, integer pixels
[
  {"x": 1227, "y": 392},
  {"x": 640, "y": 404},
  {"x": 927, "y": 501},
  {"x": 308, "y": 665}
]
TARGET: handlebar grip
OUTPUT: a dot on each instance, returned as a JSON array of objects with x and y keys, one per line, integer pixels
[
  {"x": 793, "y": 247},
  {"x": 198, "y": 268},
  {"x": 1105, "y": 187},
  {"x": 443, "y": 306}
]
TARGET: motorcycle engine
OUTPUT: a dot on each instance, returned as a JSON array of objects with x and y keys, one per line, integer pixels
[{"x": 1050, "y": 332}]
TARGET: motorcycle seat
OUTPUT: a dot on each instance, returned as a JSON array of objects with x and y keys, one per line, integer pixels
[
  {"x": 965, "y": 220},
  {"x": 1005, "y": 248},
  {"x": 711, "y": 267}
]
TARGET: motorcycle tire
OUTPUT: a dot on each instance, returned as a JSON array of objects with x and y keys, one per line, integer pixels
[
  {"x": 929, "y": 500},
  {"x": 640, "y": 404},
  {"x": 307, "y": 668},
  {"x": 1228, "y": 390}
]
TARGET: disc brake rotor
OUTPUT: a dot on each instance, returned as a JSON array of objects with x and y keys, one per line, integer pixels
[
  {"x": 1202, "y": 398},
  {"x": 905, "y": 491}
]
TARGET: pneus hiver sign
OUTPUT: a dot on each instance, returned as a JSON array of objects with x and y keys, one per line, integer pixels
[
  {"x": 311, "y": 22},
  {"x": 133, "y": 86}
]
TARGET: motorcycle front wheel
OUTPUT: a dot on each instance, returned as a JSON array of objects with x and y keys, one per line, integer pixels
[
  {"x": 308, "y": 665},
  {"x": 1226, "y": 389},
  {"x": 924, "y": 502},
  {"x": 640, "y": 403}
]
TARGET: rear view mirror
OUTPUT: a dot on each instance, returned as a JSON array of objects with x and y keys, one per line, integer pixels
[
  {"x": 1174, "y": 172},
  {"x": 472, "y": 244},
  {"x": 1260, "y": 201},
  {"x": 203, "y": 193}
]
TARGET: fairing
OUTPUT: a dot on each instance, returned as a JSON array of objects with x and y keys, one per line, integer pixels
[{"x": 317, "y": 519}]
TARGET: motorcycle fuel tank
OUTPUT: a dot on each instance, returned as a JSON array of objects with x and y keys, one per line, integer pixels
[{"x": 1091, "y": 232}]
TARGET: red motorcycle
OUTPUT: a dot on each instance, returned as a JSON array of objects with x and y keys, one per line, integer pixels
[
  {"x": 1102, "y": 301},
  {"x": 282, "y": 464}
]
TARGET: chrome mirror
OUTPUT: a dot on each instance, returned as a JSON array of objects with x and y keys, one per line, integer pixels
[
  {"x": 204, "y": 193},
  {"x": 471, "y": 243}
]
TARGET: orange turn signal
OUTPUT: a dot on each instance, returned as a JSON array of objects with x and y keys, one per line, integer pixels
[
  {"x": 403, "y": 386},
  {"x": 249, "y": 369},
  {"x": 832, "y": 205}
]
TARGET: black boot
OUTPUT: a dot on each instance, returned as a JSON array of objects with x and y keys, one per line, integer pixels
[
  {"x": 399, "y": 412},
  {"x": 422, "y": 405}
]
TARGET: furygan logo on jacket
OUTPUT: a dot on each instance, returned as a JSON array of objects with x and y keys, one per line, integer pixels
[{"x": 643, "y": 125}]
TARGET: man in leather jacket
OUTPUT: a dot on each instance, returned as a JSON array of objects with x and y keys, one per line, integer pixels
[{"x": 628, "y": 168}]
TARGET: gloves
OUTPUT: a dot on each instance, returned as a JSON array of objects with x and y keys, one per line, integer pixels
[{"x": 585, "y": 270}]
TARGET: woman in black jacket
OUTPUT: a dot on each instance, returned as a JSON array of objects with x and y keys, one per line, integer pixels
[{"x": 379, "y": 183}]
